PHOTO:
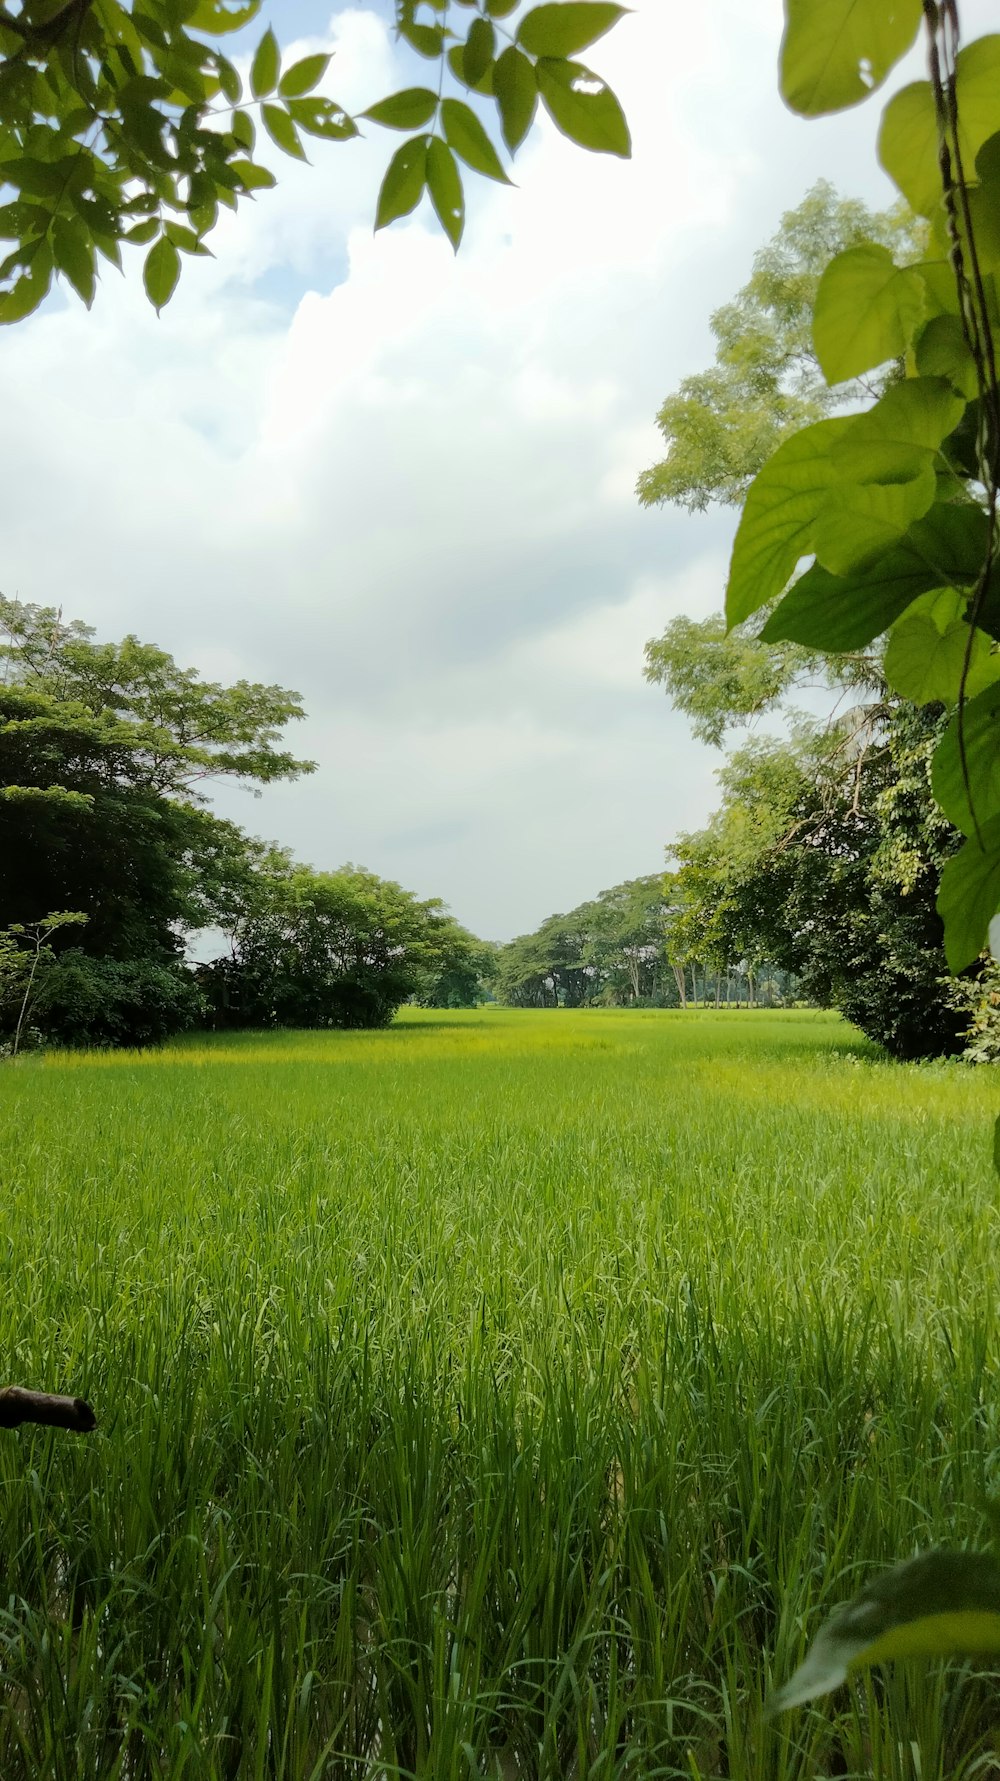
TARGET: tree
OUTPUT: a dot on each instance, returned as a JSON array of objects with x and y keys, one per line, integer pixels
[
  {"x": 824, "y": 860},
  {"x": 122, "y": 123},
  {"x": 723, "y": 424},
  {"x": 324, "y": 949},
  {"x": 103, "y": 753},
  {"x": 462, "y": 973},
  {"x": 25, "y": 953},
  {"x": 611, "y": 950}
]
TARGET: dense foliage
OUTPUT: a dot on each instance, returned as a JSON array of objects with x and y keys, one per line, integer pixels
[
  {"x": 826, "y": 856},
  {"x": 104, "y": 751},
  {"x": 126, "y": 124},
  {"x": 334, "y": 949}
]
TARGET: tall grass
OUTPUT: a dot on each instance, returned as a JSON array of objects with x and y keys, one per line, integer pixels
[{"x": 500, "y": 1395}]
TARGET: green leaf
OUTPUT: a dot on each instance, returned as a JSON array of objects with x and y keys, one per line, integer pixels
[
  {"x": 160, "y": 273},
  {"x": 251, "y": 177},
  {"x": 404, "y": 182},
  {"x": 779, "y": 516},
  {"x": 444, "y": 183},
  {"x": 302, "y": 76},
  {"x": 408, "y": 110},
  {"x": 925, "y": 664},
  {"x": 244, "y": 130},
  {"x": 265, "y": 66},
  {"x": 30, "y": 289},
  {"x": 501, "y": 9},
  {"x": 217, "y": 16},
  {"x": 941, "y": 351},
  {"x": 908, "y": 146},
  {"x": 835, "y": 52},
  {"x": 479, "y": 50},
  {"x": 583, "y": 107},
  {"x": 282, "y": 131},
  {"x": 516, "y": 92},
  {"x": 140, "y": 233},
  {"x": 941, "y": 1604},
  {"x": 466, "y": 135},
  {"x": 42, "y": 179},
  {"x": 834, "y": 612},
  {"x": 565, "y": 29},
  {"x": 908, "y": 136},
  {"x": 859, "y": 520},
  {"x": 456, "y": 62},
  {"x": 969, "y": 897},
  {"x": 944, "y": 549},
  {"x": 896, "y": 438},
  {"x": 229, "y": 80},
  {"x": 967, "y": 758},
  {"x": 322, "y": 117},
  {"x": 866, "y": 311},
  {"x": 73, "y": 252}
]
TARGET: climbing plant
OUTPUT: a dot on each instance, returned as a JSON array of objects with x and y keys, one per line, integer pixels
[{"x": 897, "y": 508}]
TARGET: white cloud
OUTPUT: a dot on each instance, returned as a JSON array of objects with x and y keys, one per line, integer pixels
[{"x": 403, "y": 482}]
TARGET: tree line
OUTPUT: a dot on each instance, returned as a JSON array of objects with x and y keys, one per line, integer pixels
[{"x": 112, "y": 861}]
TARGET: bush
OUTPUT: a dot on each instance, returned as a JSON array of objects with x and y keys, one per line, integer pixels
[{"x": 103, "y": 1001}]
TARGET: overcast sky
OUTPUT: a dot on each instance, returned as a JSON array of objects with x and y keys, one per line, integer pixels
[{"x": 404, "y": 483}]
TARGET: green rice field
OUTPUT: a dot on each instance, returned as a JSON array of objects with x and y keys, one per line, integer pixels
[{"x": 501, "y": 1395}]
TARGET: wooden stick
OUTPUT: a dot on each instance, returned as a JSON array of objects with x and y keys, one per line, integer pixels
[{"x": 18, "y": 1405}]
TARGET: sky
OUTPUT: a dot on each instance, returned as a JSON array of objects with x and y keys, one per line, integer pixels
[{"x": 402, "y": 482}]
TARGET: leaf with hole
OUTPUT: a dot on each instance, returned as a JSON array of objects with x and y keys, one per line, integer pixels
[
  {"x": 835, "y": 52},
  {"x": 583, "y": 107},
  {"x": 322, "y": 117},
  {"x": 444, "y": 183}
]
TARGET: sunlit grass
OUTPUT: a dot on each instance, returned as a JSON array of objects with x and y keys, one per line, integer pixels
[{"x": 503, "y": 1393}]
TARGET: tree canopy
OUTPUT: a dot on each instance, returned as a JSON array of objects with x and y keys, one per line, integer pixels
[
  {"x": 722, "y": 425},
  {"x": 125, "y": 124}
]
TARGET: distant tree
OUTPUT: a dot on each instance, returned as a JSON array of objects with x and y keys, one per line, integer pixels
[
  {"x": 723, "y": 424},
  {"x": 610, "y": 950},
  {"x": 463, "y": 972},
  {"x": 323, "y": 949},
  {"x": 824, "y": 858},
  {"x": 103, "y": 751}
]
